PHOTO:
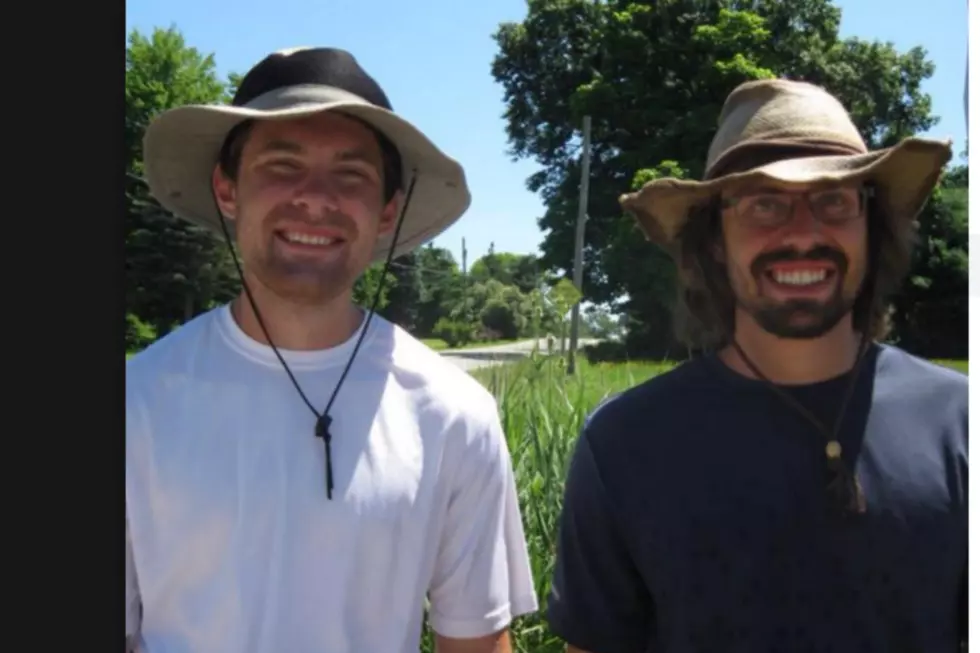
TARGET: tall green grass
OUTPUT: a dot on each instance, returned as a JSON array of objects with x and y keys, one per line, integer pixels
[{"x": 542, "y": 411}]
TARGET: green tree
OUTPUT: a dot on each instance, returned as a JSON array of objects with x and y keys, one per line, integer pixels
[
  {"x": 366, "y": 287},
  {"x": 474, "y": 299},
  {"x": 653, "y": 77},
  {"x": 234, "y": 81},
  {"x": 426, "y": 285},
  {"x": 519, "y": 270},
  {"x": 507, "y": 312},
  {"x": 443, "y": 286},
  {"x": 404, "y": 293},
  {"x": 174, "y": 270},
  {"x": 931, "y": 311},
  {"x": 598, "y": 322},
  {"x": 562, "y": 296}
]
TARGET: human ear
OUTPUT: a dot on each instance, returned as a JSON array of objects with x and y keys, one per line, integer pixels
[{"x": 225, "y": 193}]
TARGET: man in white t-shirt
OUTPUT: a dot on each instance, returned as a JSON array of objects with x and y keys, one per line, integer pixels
[{"x": 301, "y": 474}]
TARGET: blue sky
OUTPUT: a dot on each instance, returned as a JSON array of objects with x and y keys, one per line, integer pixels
[{"x": 433, "y": 58}]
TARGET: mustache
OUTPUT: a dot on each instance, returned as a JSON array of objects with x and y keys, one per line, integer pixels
[
  {"x": 284, "y": 216},
  {"x": 788, "y": 254}
]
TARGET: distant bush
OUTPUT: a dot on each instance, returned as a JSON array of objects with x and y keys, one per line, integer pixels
[
  {"x": 453, "y": 332},
  {"x": 486, "y": 334},
  {"x": 139, "y": 334},
  {"x": 606, "y": 352},
  {"x": 503, "y": 318}
]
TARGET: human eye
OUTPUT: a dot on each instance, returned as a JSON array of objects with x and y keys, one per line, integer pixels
[
  {"x": 764, "y": 207},
  {"x": 353, "y": 173},
  {"x": 836, "y": 204},
  {"x": 283, "y": 166},
  {"x": 356, "y": 173}
]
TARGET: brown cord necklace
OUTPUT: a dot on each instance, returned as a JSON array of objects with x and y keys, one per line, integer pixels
[{"x": 844, "y": 490}]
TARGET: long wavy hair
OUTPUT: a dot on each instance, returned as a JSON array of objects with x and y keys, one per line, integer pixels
[{"x": 705, "y": 309}]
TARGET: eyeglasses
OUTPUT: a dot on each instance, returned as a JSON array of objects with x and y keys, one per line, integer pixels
[{"x": 831, "y": 206}]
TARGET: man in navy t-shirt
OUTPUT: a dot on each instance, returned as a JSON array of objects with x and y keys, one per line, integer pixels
[{"x": 800, "y": 486}]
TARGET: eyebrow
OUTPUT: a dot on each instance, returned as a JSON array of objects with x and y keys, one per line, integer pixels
[
  {"x": 353, "y": 154},
  {"x": 281, "y": 146},
  {"x": 358, "y": 154}
]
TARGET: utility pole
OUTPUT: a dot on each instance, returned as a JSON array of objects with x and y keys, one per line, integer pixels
[
  {"x": 464, "y": 257},
  {"x": 583, "y": 204}
]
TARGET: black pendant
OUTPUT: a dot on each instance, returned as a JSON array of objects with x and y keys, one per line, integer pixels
[
  {"x": 845, "y": 493},
  {"x": 322, "y": 430}
]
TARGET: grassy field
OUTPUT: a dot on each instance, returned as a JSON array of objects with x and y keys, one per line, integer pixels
[
  {"x": 542, "y": 411},
  {"x": 962, "y": 366}
]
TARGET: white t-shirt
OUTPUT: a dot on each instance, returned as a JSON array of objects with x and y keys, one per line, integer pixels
[{"x": 232, "y": 544}]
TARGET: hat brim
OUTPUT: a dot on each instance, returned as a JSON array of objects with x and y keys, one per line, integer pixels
[
  {"x": 903, "y": 175},
  {"x": 181, "y": 148}
]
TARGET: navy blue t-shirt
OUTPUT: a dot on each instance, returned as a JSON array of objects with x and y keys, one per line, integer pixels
[{"x": 696, "y": 516}]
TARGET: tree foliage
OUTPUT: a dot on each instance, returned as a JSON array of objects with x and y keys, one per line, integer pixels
[
  {"x": 931, "y": 312},
  {"x": 520, "y": 270},
  {"x": 174, "y": 270}
]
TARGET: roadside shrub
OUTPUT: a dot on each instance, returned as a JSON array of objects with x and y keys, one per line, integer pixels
[{"x": 139, "y": 334}]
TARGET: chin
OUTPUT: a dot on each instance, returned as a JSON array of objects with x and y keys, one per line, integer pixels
[
  {"x": 306, "y": 285},
  {"x": 313, "y": 294},
  {"x": 801, "y": 320}
]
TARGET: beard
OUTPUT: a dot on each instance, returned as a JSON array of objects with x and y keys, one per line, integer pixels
[
  {"x": 303, "y": 278},
  {"x": 800, "y": 319},
  {"x": 303, "y": 283}
]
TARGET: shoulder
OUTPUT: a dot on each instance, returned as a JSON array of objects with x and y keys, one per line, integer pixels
[
  {"x": 927, "y": 401},
  {"x": 921, "y": 413},
  {"x": 152, "y": 375},
  {"x": 436, "y": 382},
  {"x": 906, "y": 378},
  {"x": 169, "y": 351},
  {"x": 670, "y": 392},
  {"x": 449, "y": 404},
  {"x": 453, "y": 408},
  {"x": 644, "y": 419}
]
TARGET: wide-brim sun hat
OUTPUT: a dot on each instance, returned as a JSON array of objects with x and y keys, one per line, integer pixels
[
  {"x": 181, "y": 146},
  {"x": 776, "y": 114}
]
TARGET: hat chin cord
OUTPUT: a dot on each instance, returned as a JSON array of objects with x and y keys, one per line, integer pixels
[{"x": 321, "y": 428}]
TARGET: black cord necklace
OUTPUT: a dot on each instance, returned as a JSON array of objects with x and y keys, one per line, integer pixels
[
  {"x": 844, "y": 489},
  {"x": 321, "y": 427}
]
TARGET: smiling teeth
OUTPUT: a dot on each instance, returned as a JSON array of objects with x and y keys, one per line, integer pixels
[
  {"x": 800, "y": 278},
  {"x": 306, "y": 239}
]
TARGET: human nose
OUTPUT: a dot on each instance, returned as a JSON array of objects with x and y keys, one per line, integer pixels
[
  {"x": 803, "y": 227},
  {"x": 317, "y": 194}
]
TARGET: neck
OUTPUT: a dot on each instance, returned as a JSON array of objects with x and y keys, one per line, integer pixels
[
  {"x": 295, "y": 326},
  {"x": 793, "y": 362}
]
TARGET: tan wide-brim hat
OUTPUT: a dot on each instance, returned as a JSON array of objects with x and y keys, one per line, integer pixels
[
  {"x": 181, "y": 146},
  {"x": 777, "y": 114}
]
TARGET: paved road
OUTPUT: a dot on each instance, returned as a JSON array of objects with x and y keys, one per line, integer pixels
[{"x": 469, "y": 359}]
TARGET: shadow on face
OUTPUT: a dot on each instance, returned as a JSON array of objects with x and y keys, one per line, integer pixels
[
  {"x": 795, "y": 255},
  {"x": 307, "y": 197}
]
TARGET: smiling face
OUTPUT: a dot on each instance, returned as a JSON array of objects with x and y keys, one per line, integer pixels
[
  {"x": 796, "y": 257},
  {"x": 308, "y": 204}
]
